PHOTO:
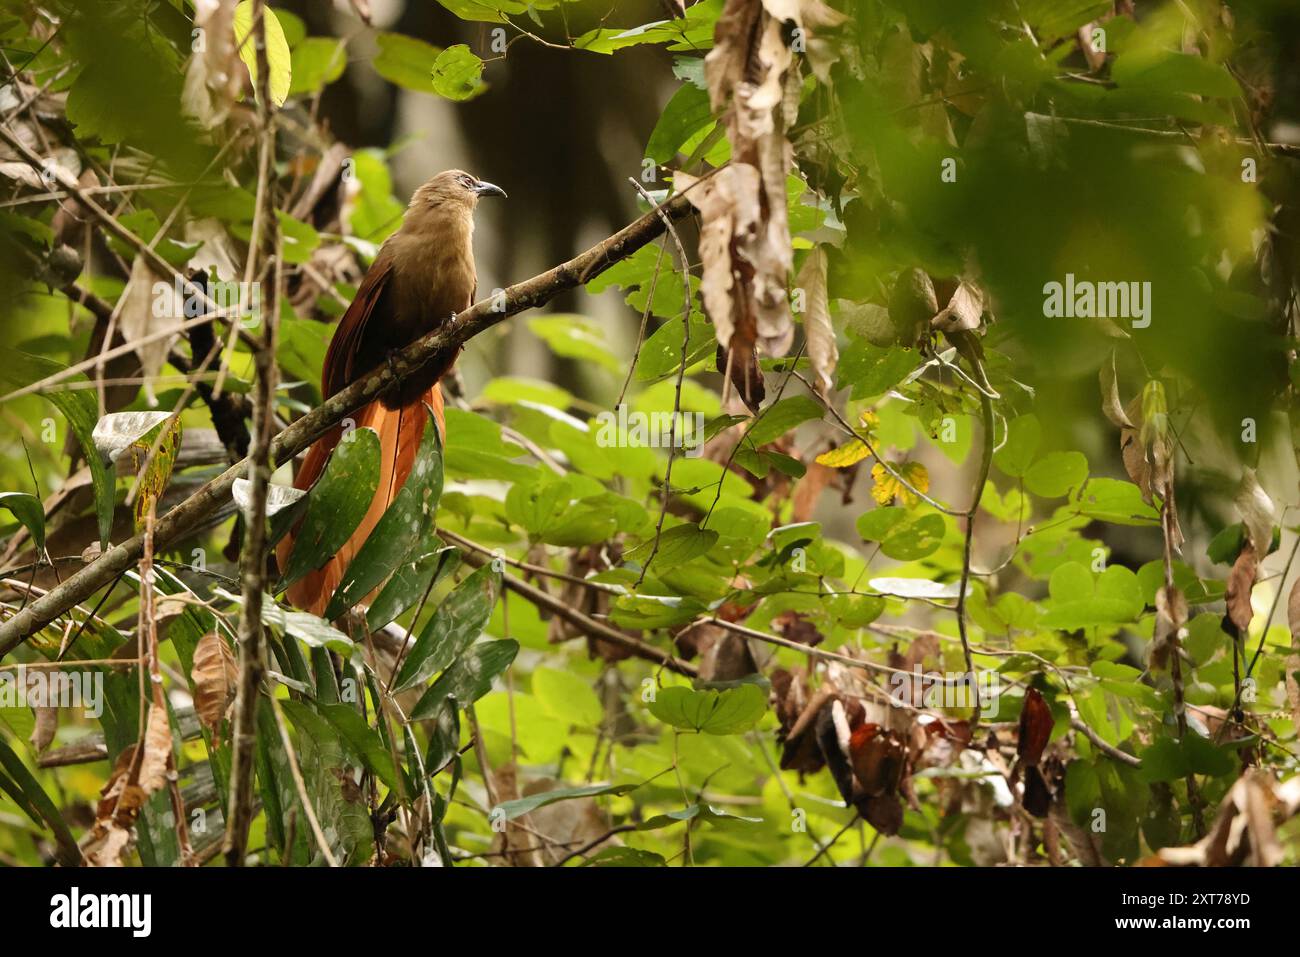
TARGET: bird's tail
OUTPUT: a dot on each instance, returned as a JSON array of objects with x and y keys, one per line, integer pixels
[{"x": 400, "y": 431}]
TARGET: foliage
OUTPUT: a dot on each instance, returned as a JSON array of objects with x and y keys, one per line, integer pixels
[{"x": 871, "y": 533}]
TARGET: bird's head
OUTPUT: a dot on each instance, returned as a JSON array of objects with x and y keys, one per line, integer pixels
[{"x": 452, "y": 188}]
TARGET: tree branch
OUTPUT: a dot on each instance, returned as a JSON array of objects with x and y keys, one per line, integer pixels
[{"x": 528, "y": 294}]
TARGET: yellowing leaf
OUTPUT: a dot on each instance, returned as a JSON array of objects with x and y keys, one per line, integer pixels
[
  {"x": 848, "y": 454},
  {"x": 887, "y": 487}
]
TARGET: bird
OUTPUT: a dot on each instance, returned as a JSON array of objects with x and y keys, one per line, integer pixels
[{"x": 421, "y": 278}]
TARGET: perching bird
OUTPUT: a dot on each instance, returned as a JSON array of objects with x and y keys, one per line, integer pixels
[{"x": 423, "y": 275}]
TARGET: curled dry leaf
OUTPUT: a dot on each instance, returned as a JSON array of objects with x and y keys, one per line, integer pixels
[
  {"x": 1171, "y": 615},
  {"x": 211, "y": 80},
  {"x": 138, "y": 320},
  {"x": 1245, "y": 829},
  {"x": 1256, "y": 510},
  {"x": 135, "y": 777},
  {"x": 1240, "y": 582},
  {"x": 213, "y": 676},
  {"x": 753, "y": 80},
  {"x": 817, "y": 329},
  {"x": 47, "y": 723},
  {"x": 963, "y": 311}
]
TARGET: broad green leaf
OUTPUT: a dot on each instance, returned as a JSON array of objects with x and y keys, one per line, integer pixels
[
  {"x": 677, "y": 545},
  {"x": 316, "y": 63},
  {"x": 872, "y": 370},
  {"x": 729, "y": 711},
  {"x": 521, "y": 806},
  {"x": 456, "y": 624},
  {"x": 576, "y": 337},
  {"x": 1024, "y": 435},
  {"x": 780, "y": 417},
  {"x": 457, "y": 73},
  {"x": 567, "y": 696},
  {"x": 686, "y": 112},
  {"x": 364, "y": 741},
  {"x": 410, "y": 582},
  {"x": 27, "y": 509},
  {"x": 406, "y": 61},
  {"x": 278, "y": 58},
  {"x": 1056, "y": 473},
  {"x": 336, "y": 504},
  {"x": 28, "y": 794},
  {"x": 404, "y": 524},
  {"x": 469, "y": 678}
]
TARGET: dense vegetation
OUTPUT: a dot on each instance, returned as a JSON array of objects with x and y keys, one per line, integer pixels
[{"x": 934, "y": 510}]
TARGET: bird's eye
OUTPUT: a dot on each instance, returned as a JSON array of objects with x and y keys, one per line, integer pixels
[{"x": 467, "y": 182}]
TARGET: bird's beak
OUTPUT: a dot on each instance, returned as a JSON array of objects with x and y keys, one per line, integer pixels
[{"x": 488, "y": 189}]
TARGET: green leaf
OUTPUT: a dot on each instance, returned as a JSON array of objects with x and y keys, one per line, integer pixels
[
  {"x": 27, "y": 509},
  {"x": 404, "y": 524},
  {"x": 28, "y": 794},
  {"x": 469, "y": 678},
  {"x": 780, "y": 417},
  {"x": 518, "y": 808},
  {"x": 336, "y": 504},
  {"x": 364, "y": 740},
  {"x": 915, "y": 539},
  {"x": 625, "y": 857},
  {"x": 1056, "y": 473},
  {"x": 80, "y": 408},
  {"x": 1024, "y": 435},
  {"x": 730, "y": 711},
  {"x": 316, "y": 62},
  {"x": 872, "y": 370},
  {"x": 577, "y": 337},
  {"x": 1165, "y": 71},
  {"x": 677, "y": 546},
  {"x": 406, "y": 61},
  {"x": 456, "y": 625},
  {"x": 686, "y": 112},
  {"x": 412, "y": 581},
  {"x": 567, "y": 697},
  {"x": 311, "y": 630},
  {"x": 278, "y": 58},
  {"x": 457, "y": 73},
  {"x": 485, "y": 11}
]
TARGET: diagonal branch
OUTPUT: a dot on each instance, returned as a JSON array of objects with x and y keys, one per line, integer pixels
[{"x": 171, "y": 527}]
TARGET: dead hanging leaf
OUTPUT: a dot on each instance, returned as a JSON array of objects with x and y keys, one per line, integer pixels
[
  {"x": 211, "y": 78},
  {"x": 817, "y": 329},
  {"x": 135, "y": 777},
  {"x": 1256, "y": 510},
  {"x": 1241, "y": 580},
  {"x": 1244, "y": 831},
  {"x": 157, "y": 750},
  {"x": 213, "y": 676},
  {"x": 878, "y": 757},
  {"x": 1171, "y": 615},
  {"x": 753, "y": 80},
  {"x": 1111, "y": 406},
  {"x": 963, "y": 311},
  {"x": 888, "y": 486},
  {"x": 47, "y": 723},
  {"x": 1035, "y": 728},
  {"x": 138, "y": 320}
]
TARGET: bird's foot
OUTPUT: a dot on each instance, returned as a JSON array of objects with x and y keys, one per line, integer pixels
[{"x": 392, "y": 364}]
